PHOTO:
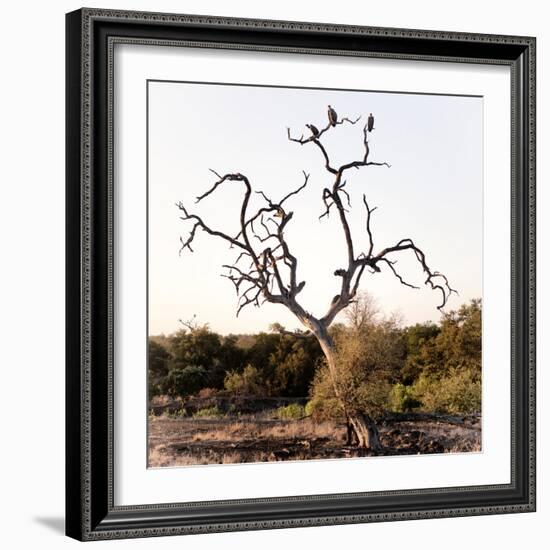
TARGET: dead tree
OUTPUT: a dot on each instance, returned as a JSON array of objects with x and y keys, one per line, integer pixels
[{"x": 265, "y": 270}]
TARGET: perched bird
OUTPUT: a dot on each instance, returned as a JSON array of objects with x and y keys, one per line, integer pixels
[
  {"x": 370, "y": 123},
  {"x": 280, "y": 213},
  {"x": 300, "y": 287},
  {"x": 335, "y": 299},
  {"x": 314, "y": 129},
  {"x": 332, "y": 116}
]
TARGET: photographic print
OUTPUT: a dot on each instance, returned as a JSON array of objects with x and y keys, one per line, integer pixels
[
  {"x": 300, "y": 274},
  {"x": 314, "y": 273}
]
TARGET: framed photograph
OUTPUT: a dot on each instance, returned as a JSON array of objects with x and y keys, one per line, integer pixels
[{"x": 300, "y": 274}]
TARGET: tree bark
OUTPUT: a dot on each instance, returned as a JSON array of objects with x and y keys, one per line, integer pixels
[
  {"x": 366, "y": 431},
  {"x": 364, "y": 428}
]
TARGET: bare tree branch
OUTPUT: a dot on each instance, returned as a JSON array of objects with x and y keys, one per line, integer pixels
[
  {"x": 264, "y": 271},
  {"x": 434, "y": 279},
  {"x": 369, "y": 232},
  {"x": 272, "y": 273},
  {"x": 352, "y": 274}
]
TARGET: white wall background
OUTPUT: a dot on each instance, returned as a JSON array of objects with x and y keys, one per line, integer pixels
[{"x": 32, "y": 274}]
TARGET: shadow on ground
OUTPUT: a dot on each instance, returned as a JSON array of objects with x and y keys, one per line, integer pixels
[{"x": 56, "y": 524}]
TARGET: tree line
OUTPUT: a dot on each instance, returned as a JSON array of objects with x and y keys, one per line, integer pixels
[{"x": 382, "y": 365}]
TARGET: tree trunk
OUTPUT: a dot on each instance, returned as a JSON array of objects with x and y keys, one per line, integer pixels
[
  {"x": 364, "y": 427},
  {"x": 365, "y": 431}
]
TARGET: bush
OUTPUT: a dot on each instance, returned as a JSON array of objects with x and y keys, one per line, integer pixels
[
  {"x": 368, "y": 358},
  {"x": 291, "y": 412},
  {"x": 184, "y": 382},
  {"x": 201, "y": 347},
  {"x": 402, "y": 398},
  {"x": 208, "y": 412},
  {"x": 323, "y": 404},
  {"x": 321, "y": 409},
  {"x": 456, "y": 393},
  {"x": 247, "y": 382},
  {"x": 178, "y": 413}
]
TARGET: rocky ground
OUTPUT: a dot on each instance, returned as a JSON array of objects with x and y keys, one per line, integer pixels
[{"x": 255, "y": 438}]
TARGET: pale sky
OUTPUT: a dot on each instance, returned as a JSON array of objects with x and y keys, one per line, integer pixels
[{"x": 432, "y": 193}]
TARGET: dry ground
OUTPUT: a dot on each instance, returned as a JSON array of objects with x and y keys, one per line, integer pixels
[{"x": 257, "y": 438}]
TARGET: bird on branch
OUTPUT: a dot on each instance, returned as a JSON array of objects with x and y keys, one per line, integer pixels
[
  {"x": 314, "y": 130},
  {"x": 332, "y": 116},
  {"x": 370, "y": 123},
  {"x": 280, "y": 213}
]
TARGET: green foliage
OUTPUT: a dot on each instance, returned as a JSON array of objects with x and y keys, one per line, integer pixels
[
  {"x": 456, "y": 344},
  {"x": 179, "y": 413},
  {"x": 291, "y": 366},
  {"x": 323, "y": 404},
  {"x": 259, "y": 352},
  {"x": 203, "y": 348},
  {"x": 456, "y": 393},
  {"x": 293, "y": 411},
  {"x": 247, "y": 382},
  {"x": 184, "y": 382},
  {"x": 285, "y": 365},
  {"x": 448, "y": 363},
  {"x": 367, "y": 360},
  {"x": 403, "y": 399},
  {"x": 159, "y": 359},
  {"x": 378, "y": 365},
  {"x": 208, "y": 412},
  {"x": 419, "y": 342},
  {"x": 309, "y": 409}
]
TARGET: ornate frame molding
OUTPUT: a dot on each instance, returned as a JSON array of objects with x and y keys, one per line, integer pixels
[{"x": 91, "y": 35}]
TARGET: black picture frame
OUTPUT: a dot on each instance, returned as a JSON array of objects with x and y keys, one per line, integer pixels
[{"x": 90, "y": 512}]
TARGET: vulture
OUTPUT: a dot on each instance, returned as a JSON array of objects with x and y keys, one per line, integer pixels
[
  {"x": 280, "y": 213},
  {"x": 332, "y": 116},
  {"x": 370, "y": 123},
  {"x": 314, "y": 129}
]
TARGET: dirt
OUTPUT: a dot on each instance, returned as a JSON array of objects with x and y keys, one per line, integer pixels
[{"x": 188, "y": 441}]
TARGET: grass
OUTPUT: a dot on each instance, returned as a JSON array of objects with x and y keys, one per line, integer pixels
[
  {"x": 207, "y": 439},
  {"x": 208, "y": 412},
  {"x": 262, "y": 437},
  {"x": 291, "y": 412}
]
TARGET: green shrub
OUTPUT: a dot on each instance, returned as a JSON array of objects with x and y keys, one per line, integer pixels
[
  {"x": 321, "y": 409},
  {"x": 208, "y": 412},
  {"x": 456, "y": 393},
  {"x": 184, "y": 382},
  {"x": 367, "y": 359},
  {"x": 178, "y": 413},
  {"x": 291, "y": 412},
  {"x": 247, "y": 382},
  {"x": 309, "y": 409},
  {"x": 323, "y": 404},
  {"x": 402, "y": 399}
]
